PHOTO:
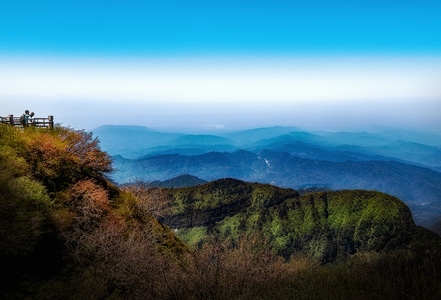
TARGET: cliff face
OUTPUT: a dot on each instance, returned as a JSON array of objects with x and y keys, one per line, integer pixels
[{"x": 324, "y": 225}]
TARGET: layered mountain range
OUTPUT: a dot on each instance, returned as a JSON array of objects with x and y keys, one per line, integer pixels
[{"x": 400, "y": 163}]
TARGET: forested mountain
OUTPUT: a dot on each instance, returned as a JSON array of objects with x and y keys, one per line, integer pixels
[
  {"x": 325, "y": 226},
  {"x": 67, "y": 232},
  {"x": 393, "y": 162}
]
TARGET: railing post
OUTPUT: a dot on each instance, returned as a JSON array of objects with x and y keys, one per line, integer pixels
[
  {"x": 51, "y": 122},
  {"x": 11, "y": 120}
]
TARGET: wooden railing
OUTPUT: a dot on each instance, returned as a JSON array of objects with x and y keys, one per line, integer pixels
[{"x": 35, "y": 122}]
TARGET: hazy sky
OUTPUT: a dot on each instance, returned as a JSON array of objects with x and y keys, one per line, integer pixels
[{"x": 223, "y": 64}]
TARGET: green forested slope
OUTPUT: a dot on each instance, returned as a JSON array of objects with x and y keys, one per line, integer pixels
[{"x": 325, "y": 225}]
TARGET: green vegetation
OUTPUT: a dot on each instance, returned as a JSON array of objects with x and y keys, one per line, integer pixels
[
  {"x": 326, "y": 226},
  {"x": 66, "y": 232}
]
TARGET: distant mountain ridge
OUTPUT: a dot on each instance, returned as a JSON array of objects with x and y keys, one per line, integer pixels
[
  {"x": 288, "y": 157},
  {"x": 135, "y": 142},
  {"x": 180, "y": 181}
]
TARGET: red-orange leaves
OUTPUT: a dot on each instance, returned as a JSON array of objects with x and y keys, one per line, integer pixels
[
  {"x": 62, "y": 157},
  {"x": 45, "y": 154},
  {"x": 86, "y": 149},
  {"x": 90, "y": 202}
]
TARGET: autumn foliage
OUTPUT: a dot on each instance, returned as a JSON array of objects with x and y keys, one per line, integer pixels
[{"x": 67, "y": 232}]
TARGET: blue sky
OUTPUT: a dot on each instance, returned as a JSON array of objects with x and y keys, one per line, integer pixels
[{"x": 223, "y": 64}]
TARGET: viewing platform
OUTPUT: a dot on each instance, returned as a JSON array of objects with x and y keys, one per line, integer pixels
[{"x": 34, "y": 122}]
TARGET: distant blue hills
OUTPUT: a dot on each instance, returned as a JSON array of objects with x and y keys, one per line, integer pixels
[{"x": 401, "y": 163}]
